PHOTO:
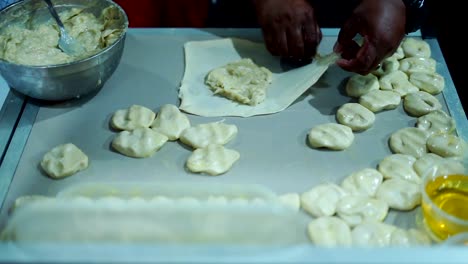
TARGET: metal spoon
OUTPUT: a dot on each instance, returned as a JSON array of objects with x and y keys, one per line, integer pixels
[{"x": 66, "y": 43}]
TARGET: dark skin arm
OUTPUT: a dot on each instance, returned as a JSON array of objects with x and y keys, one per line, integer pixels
[
  {"x": 290, "y": 29},
  {"x": 382, "y": 25}
]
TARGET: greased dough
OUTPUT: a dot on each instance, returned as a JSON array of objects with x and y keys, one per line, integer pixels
[
  {"x": 355, "y": 116},
  {"x": 399, "y": 166},
  {"x": 141, "y": 142},
  {"x": 355, "y": 209},
  {"x": 430, "y": 82},
  {"x": 321, "y": 200},
  {"x": 358, "y": 85},
  {"x": 170, "y": 122},
  {"x": 242, "y": 81},
  {"x": 329, "y": 231},
  {"x": 372, "y": 234},
  {"x": 64, "y": 160},
  {"x": 416, "y": 47},
  {"x": 420, "y": 103},
  {"x": 398, "y": 54},
  {"x": 363, "y": 182},
  {"x": 436, "y": 122},
  {"x": 379, "y": 100},
  {"x": 400, "y": 194},
  {"x": 409, "y": 140},
  {"x": 414, "y": 64},
  {"x": 426, "y": 163},
  {"x": 213, "y": 159},
  {"x": 446, "y": 145},
  {"x": 202, "y": 135},
  {"x": 387, "y": 66},
  {"x": 397, "y": 81},
  {"x": 132, "y": 117},
  {"x": 332, "y": 136}
]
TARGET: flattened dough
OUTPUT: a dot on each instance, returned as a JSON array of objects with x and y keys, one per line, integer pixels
[
  {"x": 332, "y": 136},
  {"x": 355, "y": 116},
  {"x": 379, "y": 100},
  {"x": 141, "y": 142},
  {"x": 64, "y": 160},
  {"x": 132, "y": 117},
  {"x": 202, "y": 135},
  {"x": 213, "y": 159},
  {"x": 170, "y": 122},
  {"x": 436, "y": 122},
  {"x": 203, "y": 56},
  {"x": 409, "y": 140},
  {"x": 420, "y": 103}
]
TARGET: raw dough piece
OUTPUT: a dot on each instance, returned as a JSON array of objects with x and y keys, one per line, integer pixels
[
  {"x": 355, "y": 209},
  {"x": 329, "y": 231},
  {"x": 358, "y": 85},
  {"x": 430, "y": 82},
  {"x": 141, "y": 142},
  {"x": 412, "y": 237},
  {"x": 420, "y": 103},
  {"x": 213, "y": 159},
  {"x": 291, "y": 200},
  {"x": 400, "y": 194},
  {"x": 397, "y": 81},
  {"x": 202, "y": 135},
  {"x": 409, "y": 140},
  {"x": 379, "y": 100},
  {"x": 64, "y": 160},
  {"x": 416, "y": 47},
  {"x": 355, "y": 116},
  {"x": 203, "y": 56},
  {"x": 414, "y": 64},
  {"x": 321, "y": 200},
  {"x": 364, "y": 182},
  {"x": 372, "y": 234},
  {"x": 436, "y": 122},
  {"x": 446, "y": 145},
  {"x": 332, "y": 136},
  {"x": 242, "y": 81},
  {"x": 170, "y": 122},
  {"x": 431, "y": 162},
  {"x": 387, "y": 66},
  {"x": 399, "y": 166},
  {"x": 398, "y": 54},
  {"x": 133, "y": 117}
]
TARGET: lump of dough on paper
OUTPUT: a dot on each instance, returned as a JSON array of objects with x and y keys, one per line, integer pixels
[
  {"x": 355, "y": 116},
  {"x": 141, "y": 142},
  {"x": 132, "y": 117},
  {"x": 399, "y": 166},
  {"x": 242, "y": 81},
  {"x": 213, "y": 159},
  {"x": 202, "y": 135},
  {"x": 400, "y": 194},
  {"x": 363, "y": 182},
  {"x": 170, "y": 122},
  {"x": 321, "y": 200},
  {"x": 64, "y": 160},
  {"x": 409, "y": 140},
  {"x": 379, "y": 100},
  {"x": 332, "y": 136},
  {"x": 329, "y": 231}
]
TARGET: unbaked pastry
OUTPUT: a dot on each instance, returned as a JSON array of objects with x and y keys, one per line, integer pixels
[
  {"x": 355, "y": 116},
  {"x": 387, "y": 66},
  {"x": 430, "y": 82},
  {"x": 363, "y": 182},
  {"x": 372, "y": 234},
  {"x": 397, "y": 81},
  {"x": 379, "y": 100},
  {"x": 132, "y": 117},
  {"x": 358, "y": 85},
  {"x": 431, "y": 162},
  {"x": 329, "y": 231},
  {"x": 436, "y": 122},
  {"x": 409, "y": 140},
  {"x": 141, "y": 142},
  {"x": 416, "y": 47},
  {"x": 420, "y": 103},
  {"x": 414, "y": 64},
  {"x": 213, "y": 159},
  {"x": 332, "y": 136},
  {"x": 446, "y": 145},
  {"x": 321, "y": 200},
  {"x": 170, "y": 122},
  {"x": 355, "y": 209},
  {"x": 399, "y": 166},
  {"x": 64, "y": 160},
  {"x": 202, "y": 135},
  {"x": 400, "y": 194}
]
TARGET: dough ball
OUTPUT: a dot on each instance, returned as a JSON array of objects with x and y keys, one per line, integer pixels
[
  {"x": 420, "y": 103},
  {"x": 397, "y": 81},
  {"x": 446, "y": 145},
  {"x": 242, "y": 81},
  {"x": 202, "y": 135},
  {"x": 355, "y": 116},
  {"x": 414, "y": 64},
  {"x": 355, "y": 209},
  {"x": 329, "y": 231},
  {"x": 400, "y": 194},
  {"x": 170, "y": 122},
  {"x": 399, "y": 166},
  {"x": 363, "y": 182},
  {"x": 430, "y": 82},
  {"x": 436, "y": 122},
  {"x": 321, "y": 200},
  {"x": 416, "y": 47},
  {"x": 409, "y": 140},
  {"x": 141, "y": 142},
  {"x": 213, "y": 159},
  {"x": 332, "y": 136},
  {"x": 64, "y": 160},
  {"x": 358, "y": 85},
  {"x": 379, "y": 100},
  {"x": 133, "y": 117}
]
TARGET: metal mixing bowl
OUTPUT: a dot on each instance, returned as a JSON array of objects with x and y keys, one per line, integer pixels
[{"x": 61, "y": 81}]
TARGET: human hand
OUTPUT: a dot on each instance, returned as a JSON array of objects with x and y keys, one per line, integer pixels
[
  {"x": 290, "y": 29},
  {"x": 381, "y": 23}
]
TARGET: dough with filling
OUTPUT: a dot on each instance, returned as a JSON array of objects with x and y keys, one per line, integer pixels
[
  {"x": 64, "y": 160},
  {"x": 132, "y": 117},
  {"x": 321, "y": 200},
  {"x": 400, "y": 194},
  {"x": 415, "y": 64},
  {"x": 399, "y": 166},
  {"x": 202, "y": 135},
  {"x": 213, "y": 159},
  {"x": 430, "y": 82},
  {"x": 358, "y": 85},
  {"x": 446, "y": 145},
  {"x": 409, "y": 140},
  {"x": 363, "y": 182},
  {"x": 331, "y": 136},
  {"x": 142, "y": 142},
  {"x": 372, "y": 234},
  {"x": 431, "y": 163},
  {"x": 170, "y": 122},
  {"x": 436, "y": 122},
  {"x": 379, "y": 100},
  {"x": 355, "y": 209},
  {"x": 416, "y": 47},
  {"x": 355, "y": 116},
  {"x": 397, "y": 81},
  {"x": 420, "y": 103},
  {"x": 329, "y": 231}
]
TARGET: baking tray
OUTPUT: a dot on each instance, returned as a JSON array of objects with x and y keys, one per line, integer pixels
[{"x": 273, "y": 147}]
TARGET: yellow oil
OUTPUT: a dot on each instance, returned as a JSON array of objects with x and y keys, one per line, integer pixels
[{"x": 450, "y": 194}]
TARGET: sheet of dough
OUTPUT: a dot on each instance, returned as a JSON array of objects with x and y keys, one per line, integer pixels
[{"x": 203, "y": 56}]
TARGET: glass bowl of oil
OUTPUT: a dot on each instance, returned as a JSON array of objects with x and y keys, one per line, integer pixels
[{"x": 445, "y": 198}]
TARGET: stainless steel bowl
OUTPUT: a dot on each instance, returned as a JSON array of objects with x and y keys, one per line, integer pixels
[{"x": 61, "y": 81}]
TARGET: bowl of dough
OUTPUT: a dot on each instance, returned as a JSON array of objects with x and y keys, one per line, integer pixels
[{"x": 31, "y": 61}]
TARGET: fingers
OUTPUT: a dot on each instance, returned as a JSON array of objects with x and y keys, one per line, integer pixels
[
  {"x": 365, "y": 61},
  {"x": 312, "y": 36},
  {"x": 346, "y": 35}
]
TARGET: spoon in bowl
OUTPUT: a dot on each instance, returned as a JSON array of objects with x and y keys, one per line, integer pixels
[{"x": 67, "y": 43}]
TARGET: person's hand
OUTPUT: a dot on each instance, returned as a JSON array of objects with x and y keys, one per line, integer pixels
[
  {"x": 382, "y": 25},
  {"x": 290, "y": 29}
]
